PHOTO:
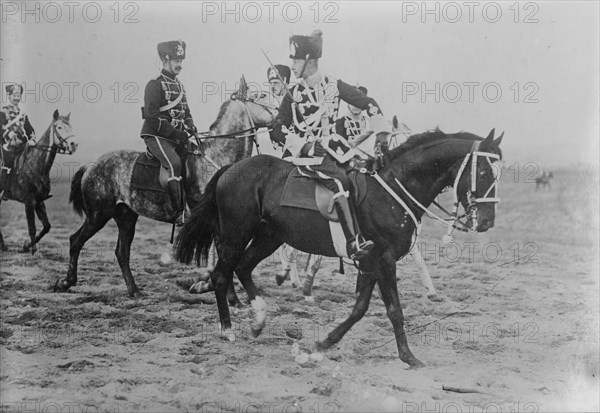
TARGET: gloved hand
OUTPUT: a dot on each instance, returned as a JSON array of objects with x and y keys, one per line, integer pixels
[
  {"x": 319, "y": 150},
  {"x": 306, "y": 150},
  {"x": 191, "y": 129},
  {"x": 180, "y": 136}
]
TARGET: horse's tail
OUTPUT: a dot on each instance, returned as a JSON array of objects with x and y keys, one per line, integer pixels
[
  {"x": 76, "y": 196},
  {"x": 196, "y": 235}
]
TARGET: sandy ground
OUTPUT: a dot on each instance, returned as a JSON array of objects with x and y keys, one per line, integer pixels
[{"x": 518, "y": 323}]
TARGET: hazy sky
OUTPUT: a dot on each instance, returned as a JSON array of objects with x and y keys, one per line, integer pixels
[{"x": 529, "y": 69}]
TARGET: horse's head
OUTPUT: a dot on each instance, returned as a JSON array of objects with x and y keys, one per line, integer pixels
[
  {"x": 476, "y": 180},
  {"x": 61, "y": 132},
  {"x": 259, "y": 105}
]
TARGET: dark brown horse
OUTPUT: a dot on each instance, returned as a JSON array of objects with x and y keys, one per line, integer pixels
[
  {"x": 31, "y": 185},
  {"x": 102, "y": 190},
  {"x": 240, "y": 210}
]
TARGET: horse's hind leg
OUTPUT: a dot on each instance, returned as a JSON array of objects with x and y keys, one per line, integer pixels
[
  {"x": 126, "y": 220},
  {"x": 311, "y": 272},
  {"x": 264, "y": 243},
  {"x": 89, "y": 228}
]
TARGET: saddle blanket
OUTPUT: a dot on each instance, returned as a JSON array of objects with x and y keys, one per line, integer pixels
[{"x": 146, "y": 173}]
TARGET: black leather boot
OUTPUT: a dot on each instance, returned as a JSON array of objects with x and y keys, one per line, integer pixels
[
  {"x": 356, "y": 245},
  {"x": 176, "y": 196}
]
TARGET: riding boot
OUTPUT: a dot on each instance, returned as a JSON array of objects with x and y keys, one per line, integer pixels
[
  {"x": 176, "y": 196},
  {"x": 5, "y": 183},
  {"x": 356, "y": 245}
]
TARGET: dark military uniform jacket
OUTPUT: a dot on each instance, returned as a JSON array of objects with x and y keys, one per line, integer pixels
[
  {"x": 13, "y": 119},
  {"x": 160, "y": 119},
  {"x": 348, "y": 127},
  {"x": 318, "y": 108}
]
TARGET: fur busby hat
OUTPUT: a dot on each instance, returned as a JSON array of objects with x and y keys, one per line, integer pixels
[
  {"x": 12, "y": 88},
  {"x": 363, "y": 89},
  {"x": 283, "y": 71},
  {"x": 307, "y": 47},
  {"x": 174, "y": 49}
]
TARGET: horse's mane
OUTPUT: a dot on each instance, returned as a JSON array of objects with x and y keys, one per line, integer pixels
[
  {"x": 430, "y": 137},
  {"x": 222, "y": 111}
]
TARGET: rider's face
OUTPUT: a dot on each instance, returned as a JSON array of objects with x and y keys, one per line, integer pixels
[
  {"x": 276, "y": 87},
  {"x": 354, "y": 110},
  {"x": 15, "y": 97},
  {"x": 174, "y": 65}
]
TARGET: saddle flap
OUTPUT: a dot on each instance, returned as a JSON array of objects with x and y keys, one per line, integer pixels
[{"x": 148, "y": 175}]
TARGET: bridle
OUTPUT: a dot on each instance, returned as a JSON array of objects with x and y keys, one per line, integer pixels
[
  {"x": 64, "y": 142},
  {"x": 454, "y": 220},
  {"x": 196, "y": 140}
]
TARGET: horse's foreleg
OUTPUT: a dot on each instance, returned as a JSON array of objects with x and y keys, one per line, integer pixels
[
  {"x": 30, "y": 214},
  {"x": 287, "y": 255},
  {"x": 365, "y": 285},
  {"x": 423, "y": 272},
  {"x": 126, "y": 220},
  {"x": 310, "y": 273},
  {"x": 3, "y": 246},
  {"x": 40, "y": 210},
  {"x": 389, "y": 294},
  {"x": 90, "y": 227}
]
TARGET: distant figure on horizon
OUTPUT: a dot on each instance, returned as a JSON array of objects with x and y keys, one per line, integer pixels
[{"x": 544, "y": 181}]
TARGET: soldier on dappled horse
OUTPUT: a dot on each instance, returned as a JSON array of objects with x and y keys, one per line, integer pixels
[
  {"x": 306, "y": 127},
  {"x": 168, "y": 122},
  {"x": 16, "y": 133}
]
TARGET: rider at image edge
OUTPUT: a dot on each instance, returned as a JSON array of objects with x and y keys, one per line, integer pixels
[
  {"x": 16, "y": 133},
  {"x": 305, "y": 126},
  {"x": 168, "y": 122}
]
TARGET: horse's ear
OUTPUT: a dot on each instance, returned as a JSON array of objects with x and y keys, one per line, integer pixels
[
  {"x": 55, "y": 115},
  {"x": 395, "y": 123},
  {"x": 497, "y": 141},
  {"x": 68, "y": 116},
  {"x": 243, "y": 89}
]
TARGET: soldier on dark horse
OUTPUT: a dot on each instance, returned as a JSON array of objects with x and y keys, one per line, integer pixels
[
  {"x": 305, "y": 126},
  {"x": 16, "y": 133},
  {"x": 168, "y": 122}
]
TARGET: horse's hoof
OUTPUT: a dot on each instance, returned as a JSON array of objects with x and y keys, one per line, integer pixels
[
  {"x": 279, "y": 279},
  {"x": 309, "y": 299},
  {"x": 415, "y": 363},
  {"x": 319, "y": 346},
  {"x": 228, "y": 335},
  {"x": 256, "y": 331},
  {"x": 201, "y": 287},
  {"x": 60, "y": 286},
  {"x": 435, "y": 298},
  {"x": 137, "y": 294}
]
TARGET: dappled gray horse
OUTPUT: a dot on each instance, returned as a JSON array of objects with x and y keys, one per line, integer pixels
[
  {"x": 103, "y": 190},
  {"x": 31, "y": 183}
]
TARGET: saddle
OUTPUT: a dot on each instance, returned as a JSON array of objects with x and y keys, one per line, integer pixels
[
  {"x": 303, "y": 190},
  {"x": 148, "y": 175}
]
